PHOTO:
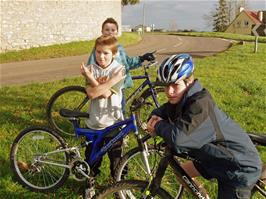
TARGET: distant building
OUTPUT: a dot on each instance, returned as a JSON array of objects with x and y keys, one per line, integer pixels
[
  {"x": 245, "y": 20},
  {"x": 126, "y": 28},
  {"x": 138, "y": 28}
]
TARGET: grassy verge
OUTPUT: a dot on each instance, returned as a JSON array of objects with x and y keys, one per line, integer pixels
[
  {"x": 236, "y": 78},
  {"x": 238, "y": 37},
  {"x": 61, "y": 50}
]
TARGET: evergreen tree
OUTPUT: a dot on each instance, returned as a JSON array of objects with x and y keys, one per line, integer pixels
[{"x": 220, "y": 17}]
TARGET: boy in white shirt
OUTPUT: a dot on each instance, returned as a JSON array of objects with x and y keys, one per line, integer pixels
[{"x": 105, "y": 91}]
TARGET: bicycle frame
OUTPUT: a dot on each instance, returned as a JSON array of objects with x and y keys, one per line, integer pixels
[
  {"x": 147, "y": 82},
  {"x": 183, "y": 177},
  {"x": 96, "y": 136},
  {"x": 187, "y": 181}
]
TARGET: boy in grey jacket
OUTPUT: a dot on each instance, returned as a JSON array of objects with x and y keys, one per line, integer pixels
[{"x": 191, "y": 122}]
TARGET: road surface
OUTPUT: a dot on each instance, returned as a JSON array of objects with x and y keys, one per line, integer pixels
[{"x": 45, "y": 70}]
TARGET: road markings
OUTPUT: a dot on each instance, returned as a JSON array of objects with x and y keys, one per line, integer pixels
[
  {"x": 162, "y": 49},
  {"x": 176, "y": 45}
]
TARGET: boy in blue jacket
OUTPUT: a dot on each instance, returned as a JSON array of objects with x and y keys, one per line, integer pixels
[
  {"x": 191, "y": 122},
  {"x": 110, "y": 28}
]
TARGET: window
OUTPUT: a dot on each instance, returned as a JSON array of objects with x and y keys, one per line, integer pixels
[{"x": 246, "y": 23}]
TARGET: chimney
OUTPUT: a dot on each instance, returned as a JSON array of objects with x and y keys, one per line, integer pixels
[
  {"x": 241, "y": 9},
  {"x": 260, "y": 15}
]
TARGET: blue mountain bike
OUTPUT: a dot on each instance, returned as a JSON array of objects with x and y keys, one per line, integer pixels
[{"x": 42, "y": 160}]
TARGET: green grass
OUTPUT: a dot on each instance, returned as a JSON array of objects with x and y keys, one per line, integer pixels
[
  {"x": 236, "y": 78},
  {"x": 238, "y": 37},
  {"x": 61, "y": 50}
]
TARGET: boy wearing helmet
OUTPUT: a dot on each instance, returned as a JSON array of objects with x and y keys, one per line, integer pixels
[{"x": 191, "y": 122}]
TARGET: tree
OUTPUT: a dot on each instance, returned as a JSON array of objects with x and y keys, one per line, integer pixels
[
  {"x": 220, "y": 17},
  {"x": 234, "y": 6},
  {"x": 232, "y": 10},
  {"x": 127, "y": 2}
]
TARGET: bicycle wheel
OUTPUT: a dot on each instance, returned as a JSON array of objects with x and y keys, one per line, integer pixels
[
  {"x": 70, "y": 97},
  {"x": 147, "y": 105},
  {"x": 127, "y": 187},
  {"x": 34, "y": 167},
  {"x": 132, "y": 167}
]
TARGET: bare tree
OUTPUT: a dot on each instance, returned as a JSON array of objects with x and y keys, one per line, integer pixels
[
  {"x": 231, "y": 10},
  {"x": 234, "y": 8}
]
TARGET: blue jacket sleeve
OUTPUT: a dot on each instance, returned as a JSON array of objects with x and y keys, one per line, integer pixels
[
  {"x": 129, "y": 62},
  {"x": 92, "y": 59},
  {"x": 167, "y": 131},
  {"x": 191, "y": 129}
]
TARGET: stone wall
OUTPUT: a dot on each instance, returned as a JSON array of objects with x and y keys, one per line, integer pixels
[{"x": 34, "y": 23}]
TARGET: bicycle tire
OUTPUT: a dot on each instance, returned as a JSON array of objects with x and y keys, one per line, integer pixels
[
  {"x": 169, "y": 182},
  {"x": 146, "y": 105},
  {"x": 258, "y": 139},
  {"x": 117, "y": 188},
  {"x": 70, "y": 97},
  {"x": 26, "y": 162}
]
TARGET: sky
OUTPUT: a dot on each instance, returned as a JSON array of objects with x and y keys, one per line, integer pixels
[{"x": 181, "y": 14}]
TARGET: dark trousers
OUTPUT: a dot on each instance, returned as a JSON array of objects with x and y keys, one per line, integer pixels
[
  {"x": 114, "y": 156},
  {"x": 229, "y": 192}
]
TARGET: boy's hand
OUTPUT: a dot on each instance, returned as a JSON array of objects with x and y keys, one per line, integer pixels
[
  {"x": 85, "y": 71},
  {"x": 147, "y": 56},
  {"x": 119, "y": 73},
  {"x": 151, "y": 124}
]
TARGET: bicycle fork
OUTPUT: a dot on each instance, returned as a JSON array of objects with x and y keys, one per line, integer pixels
[{"x": 144, "y": 156}]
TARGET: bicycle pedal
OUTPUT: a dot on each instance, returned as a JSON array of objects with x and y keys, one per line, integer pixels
[{"x": 89, "y": 193}]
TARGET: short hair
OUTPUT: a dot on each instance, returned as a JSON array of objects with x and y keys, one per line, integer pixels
[
  {"x": 189, "y": 79},
  {"x": 110, "y": 20},
  {"x": 110, "y": 41}
]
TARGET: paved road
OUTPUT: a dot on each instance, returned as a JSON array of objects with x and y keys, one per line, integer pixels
[{"x": 58, "y": 68}]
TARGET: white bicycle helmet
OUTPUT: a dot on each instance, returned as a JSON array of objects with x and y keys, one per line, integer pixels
[{"x": 175, "y": 68}]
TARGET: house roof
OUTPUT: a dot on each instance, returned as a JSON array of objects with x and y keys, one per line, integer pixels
[{"x": 253, "y": 15}]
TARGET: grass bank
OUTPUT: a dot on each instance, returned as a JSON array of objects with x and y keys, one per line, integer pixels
[
  {"x": 61, "y": 50},
  {"x": 236, "y": 78},
  {"x": 232, "y": 36}
]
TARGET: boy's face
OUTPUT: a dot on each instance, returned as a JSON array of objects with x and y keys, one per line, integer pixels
[
  {"x": 175, "y": 92},
  {"x": 109, "y": 29},
  {"x": 104, "y": 56}
]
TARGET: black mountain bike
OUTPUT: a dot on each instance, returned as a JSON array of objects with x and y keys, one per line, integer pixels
[
  {"x": 142, "y": 101},
  {"x": 159, "y": 180}
]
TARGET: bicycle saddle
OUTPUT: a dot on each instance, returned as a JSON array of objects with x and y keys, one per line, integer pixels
[{"x": 72, "y": 113}]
